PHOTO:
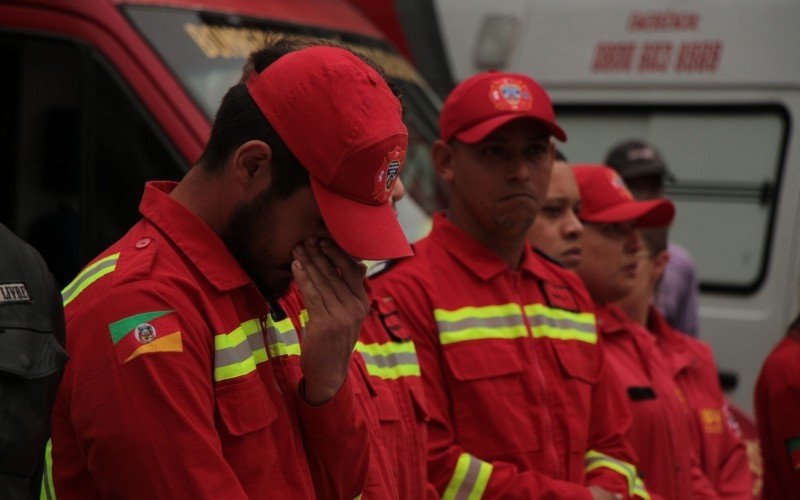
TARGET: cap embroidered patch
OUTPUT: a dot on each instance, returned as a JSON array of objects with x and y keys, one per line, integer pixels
[
  {"x": 619, "y": 184},
  {"x": 14, "y": 293},
  {"x": 388, "y": 174},
  {"x": 793, "y": 448},
  {"x": 149, "y": 332},
  {"x": 510, "y": 94}
]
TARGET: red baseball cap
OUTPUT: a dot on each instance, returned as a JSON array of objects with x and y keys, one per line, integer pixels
[
  {"x": 484, "y": 102},
  {"x": 339, "y": 118},
  {"x": 605, "y": 198}
]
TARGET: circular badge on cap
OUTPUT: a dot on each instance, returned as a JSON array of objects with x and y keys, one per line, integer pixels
[
  {"x": 145, "y": 333},
  {"x": 510, "y": 94},
  {"x": 619, "y": 185},
  {"x": 388, "y": 174}
]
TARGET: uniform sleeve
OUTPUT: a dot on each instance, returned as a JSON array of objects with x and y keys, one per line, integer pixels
[
  {"x": 141, "y": 414},
  {"x": 335, "y": 434},
  {"x": 730, "y": 473},
  {"x": 702, "y": 489},
  {"x": 454, "y": 472},
  {"x": 610, "y": 462},
  {"x": 782, "y": 424}
]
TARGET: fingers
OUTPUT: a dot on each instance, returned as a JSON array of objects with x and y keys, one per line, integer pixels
[
  {"x": 325, "y": 274},
  {"x": 309, "y": 292},
  {"x": 353, "y": 272}
]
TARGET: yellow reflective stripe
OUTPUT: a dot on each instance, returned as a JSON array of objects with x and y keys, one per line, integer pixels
[
  {"x": 493, "y": 311},
  {"x": 285, "y": 342},
  {"x": 48, "y": 491},
  {"x": 235, "y": 354},
  {"x": 553, "y": 332},
  {"x": 234, "y": 370},
  {"x": 393, "y": 372},
  {"x": 560, "y": 324},
  {"x": 92, "y": 273},
  {"x": 385, "y": 349},
  {"x": 640, "y": 491},
  {"x": 478, "y": 333},
  {"x": 595, "y": 460},
  {"x": 469, "y": 479},
  {"x": 542, "y": 310}
]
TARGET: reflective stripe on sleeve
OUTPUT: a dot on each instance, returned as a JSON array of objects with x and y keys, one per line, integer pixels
[
  {"x": 92, "y": 273},
  {"x": 595, "y": 460},
  {"x": 560, "y": 324},
  {"x": 390, "y": 360},
  {"x": 469, "y": 480},
  {"x": 282, "y": 338},
  {"x": 503, "y": 321}
]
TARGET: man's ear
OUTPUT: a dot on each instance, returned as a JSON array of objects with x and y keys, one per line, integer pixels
[
  {"x": 442, "y": 155},
  {"x": 251, "y": 166},
  {"x": 660, "y": 261}
]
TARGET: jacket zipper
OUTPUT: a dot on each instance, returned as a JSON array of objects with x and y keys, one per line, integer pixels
[{"x": 547, "y": 437}]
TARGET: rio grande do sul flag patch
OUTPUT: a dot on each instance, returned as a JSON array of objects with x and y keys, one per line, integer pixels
[
  {"x": 793, "y": 447},
  {"x": 145, "y": 333}
]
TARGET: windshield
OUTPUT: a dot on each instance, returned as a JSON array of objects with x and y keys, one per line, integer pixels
[{"x": 207, "y": 52}]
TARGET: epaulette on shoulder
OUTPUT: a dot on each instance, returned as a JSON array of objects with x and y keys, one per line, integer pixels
[{"x": 136, "y": 260}]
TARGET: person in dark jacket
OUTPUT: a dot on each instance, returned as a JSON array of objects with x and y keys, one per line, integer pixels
[{"x": 32, "y": 360}]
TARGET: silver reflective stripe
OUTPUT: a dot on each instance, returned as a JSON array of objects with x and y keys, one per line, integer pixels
[
  {"x": 563, "y": 324},
  {"x": 498, "y": 322},
  {"x": 237, "y": 353},
  {"x": 77, "y": 286},
  {"x": 390, "y": 360}
]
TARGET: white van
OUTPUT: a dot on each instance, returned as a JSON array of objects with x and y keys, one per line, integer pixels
[{"x": 715, "y": 84}]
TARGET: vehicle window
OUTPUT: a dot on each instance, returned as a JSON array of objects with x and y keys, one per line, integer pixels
[
  {"x": 76, "y": 151},
  {"x": 207, "y": 51},
  {"x": 727, "y": 161}
]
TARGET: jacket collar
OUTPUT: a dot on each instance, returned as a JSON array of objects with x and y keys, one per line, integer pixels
[
  {"x": 676, "y": 344},
  {"x": 202, "y": 246},
  {"x": 472, "y": 254}
]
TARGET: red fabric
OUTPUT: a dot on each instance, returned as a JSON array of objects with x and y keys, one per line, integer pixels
[
  {"x": 605, "y": 198},
  {"x": 777, "y": 401},
  {"x": 485, "y": 102},
  {"x": 749, "y": 431},
  {"x": 660, "y": 432},
  {"x": 531, "y": 407},
  {"x": 159, "y": 426},
  {"x": 719, "y": 446},
  {"x": 360, "y": 141},
  {"x": 400, "y": 408}
]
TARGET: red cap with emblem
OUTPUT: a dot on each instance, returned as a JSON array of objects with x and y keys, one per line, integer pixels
[
  {"x": 340, "y": 119},
  {"x": 484, "y": 102},
  {"x": 606, "y": 199}
]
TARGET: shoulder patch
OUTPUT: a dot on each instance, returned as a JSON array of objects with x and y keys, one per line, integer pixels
[{"x": 145, "y": 333}]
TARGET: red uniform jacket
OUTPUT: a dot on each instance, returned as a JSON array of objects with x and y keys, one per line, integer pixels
[
  {"x": 778, "y": 417},
  {"x": 660, "y": 432},
  {"x": 722, "y": 454},
  {"x": 517, "y": 391},
  {"x": 170, "y": 392},
  {"x": 386, "y": 381},
  {"x": 399, "y": 399}
]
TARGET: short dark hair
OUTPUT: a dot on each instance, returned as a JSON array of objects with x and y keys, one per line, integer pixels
[
  {"x": 655, "y": 239},
  {"x": 239, "y": 120}
]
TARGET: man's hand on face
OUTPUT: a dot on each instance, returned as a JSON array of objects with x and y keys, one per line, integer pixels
[{"x": 332, "y": 287}]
